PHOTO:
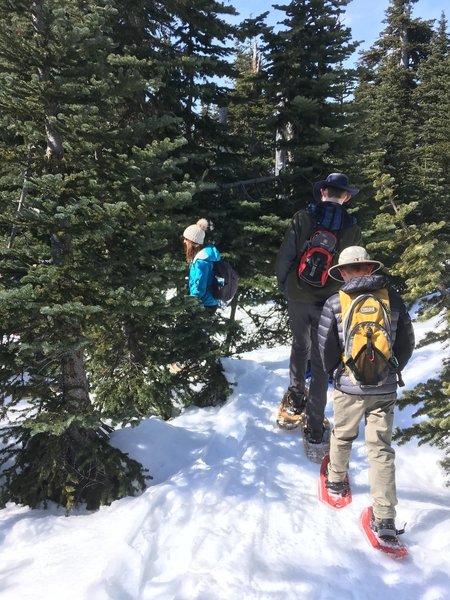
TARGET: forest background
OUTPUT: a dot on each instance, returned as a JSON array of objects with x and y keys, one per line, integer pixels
[{"x": 123, "y": 122}]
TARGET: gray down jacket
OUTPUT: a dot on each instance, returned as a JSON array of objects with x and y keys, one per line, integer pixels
[{"x": 331, "y": 339}]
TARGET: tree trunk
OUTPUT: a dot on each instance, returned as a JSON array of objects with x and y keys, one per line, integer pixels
[
  {"x": 74, "y": 381},
  {"x": 404, "y": 55}
]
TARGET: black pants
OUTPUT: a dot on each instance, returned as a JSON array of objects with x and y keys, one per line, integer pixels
[
  {"x": 304, "y": 321},
  {"x": 211, "y": 309}
]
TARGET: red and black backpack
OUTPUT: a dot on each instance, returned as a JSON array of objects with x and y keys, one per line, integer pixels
[{"x": 316, "y": 256}]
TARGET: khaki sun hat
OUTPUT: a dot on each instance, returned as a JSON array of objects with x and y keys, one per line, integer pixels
[{"x": 351, "y": 256}]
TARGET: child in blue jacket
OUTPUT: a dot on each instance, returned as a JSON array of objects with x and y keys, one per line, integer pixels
[{"x": 201, "y": 261}]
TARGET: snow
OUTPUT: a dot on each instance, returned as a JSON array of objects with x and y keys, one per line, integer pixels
[{"x": 232, "y": 513}]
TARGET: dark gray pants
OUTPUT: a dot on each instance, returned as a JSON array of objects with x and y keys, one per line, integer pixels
[{"x": 304, "y": 321}]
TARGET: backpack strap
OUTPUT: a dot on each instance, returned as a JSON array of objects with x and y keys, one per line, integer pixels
[
  {"x": 304, "y": 225},
  {"x": 307, "y": 221},
  {"x": 347, "y": 302}
]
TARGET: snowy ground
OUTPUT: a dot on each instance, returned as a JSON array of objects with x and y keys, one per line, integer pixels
[{"x": 232, "y": 514}]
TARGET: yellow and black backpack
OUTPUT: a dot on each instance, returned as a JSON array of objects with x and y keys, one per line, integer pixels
[{"x": 366, "y": 321}]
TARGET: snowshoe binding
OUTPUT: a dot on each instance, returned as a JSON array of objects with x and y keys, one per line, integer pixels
[
  {"x": 382, "y": 534},
  {"x": 317, "y": 444},
  {"x": 291, "y": 411},
  {"x": 337, "y": 495}
]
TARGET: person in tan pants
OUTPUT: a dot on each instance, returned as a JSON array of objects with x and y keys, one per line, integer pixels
[
  {"x": 353, "y": 401},
  {"x": 378, "y": 413}
]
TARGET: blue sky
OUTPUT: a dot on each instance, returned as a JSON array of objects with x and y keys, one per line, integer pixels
[{"x": 363, "y": 16}]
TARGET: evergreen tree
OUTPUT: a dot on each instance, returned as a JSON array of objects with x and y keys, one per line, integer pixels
[
  {"x": 195, "y": 91},
  {"x": 429, "y": 272},
  {"x": 402, "y": 97},
  {"x": 150, "y": 256},
  {"x": 405, "y": 40},
  {"x": 310, "y": 91},
  {"x": 300, "y": 100},
  {"x": 255, "y": 201},
  {"x": 89, "y": 256},
  {"x": 432, "y": 98},
  {"x": 388, "y": 130},
  {"x": 199, "y": 44}
]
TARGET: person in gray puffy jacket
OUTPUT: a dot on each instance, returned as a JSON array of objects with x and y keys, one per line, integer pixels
[{"x": 352, "y": 401}]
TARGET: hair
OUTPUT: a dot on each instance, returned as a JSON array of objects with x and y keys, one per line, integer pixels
[
  {"x": 335, "y": 192},
  {"x": 191, "y": 249}
]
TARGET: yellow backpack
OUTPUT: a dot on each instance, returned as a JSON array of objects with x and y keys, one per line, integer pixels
[{"x": 366, "y": 322}]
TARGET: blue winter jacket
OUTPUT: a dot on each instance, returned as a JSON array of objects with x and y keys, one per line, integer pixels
[{"x": 201, "y": 275}]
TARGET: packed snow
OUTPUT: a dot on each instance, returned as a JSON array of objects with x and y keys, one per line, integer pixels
[{"x": 233, "y": 513}]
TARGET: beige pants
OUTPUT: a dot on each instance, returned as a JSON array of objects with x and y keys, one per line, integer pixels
[{"x": 378, "y": 413}]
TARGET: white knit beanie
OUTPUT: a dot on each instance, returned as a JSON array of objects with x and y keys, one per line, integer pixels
[{"x": 196, "y": 233}]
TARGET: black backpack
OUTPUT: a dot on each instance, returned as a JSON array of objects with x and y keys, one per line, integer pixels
[{"x": 225, "y": 281}]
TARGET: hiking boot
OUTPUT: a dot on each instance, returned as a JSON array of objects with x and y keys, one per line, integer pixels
[
  {"x": 290, "y": 410},
  {"x": 384, "y": 528},
  {"x": 313, "y": 436},
  {"x": 340, "y": 488},
  {"x": 293, "y": 405}
]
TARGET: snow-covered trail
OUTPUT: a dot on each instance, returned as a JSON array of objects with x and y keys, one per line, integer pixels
[
  {"x": 232, "y": 512},
  {"x": 242, "y": 519}
]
